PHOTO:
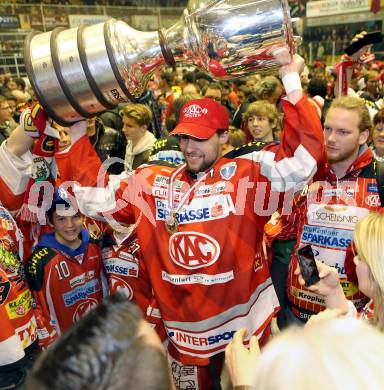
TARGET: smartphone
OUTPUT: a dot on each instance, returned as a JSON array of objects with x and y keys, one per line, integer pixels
[
  {"x": 369, "y": 39},
  {"x": 307, "y": 265}
]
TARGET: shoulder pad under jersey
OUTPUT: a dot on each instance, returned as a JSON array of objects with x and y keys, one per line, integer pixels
[
  {"x": 34, "y": 267},
  {"x": 167, "y": 143},
  {"x": 107, "y": 240},
  {"x": 248, "y": 148},
  {"x": 162, "y": 163},
  {"x": 95, "y": 240}
]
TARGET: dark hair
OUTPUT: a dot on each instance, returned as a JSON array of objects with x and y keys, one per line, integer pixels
[
  {"x": 317, "y": 87},
  {"x": 266, "y": 87},
  {"x": 247, "y": 91},
  {"x": 103, "y": 351},
  {"x": 202, "y": 75},
  {"x": 168, "y": 77},
  {"x": 189, "y": 77},
  {"x": 379, "y": 117},
  {"x": 211, "y": 86},
  {"x": 20, "y": 82},
  {"x": 239, "y": 82},
  {"x": 225, "y": 85}
]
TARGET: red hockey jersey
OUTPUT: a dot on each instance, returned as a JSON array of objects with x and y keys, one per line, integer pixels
[
  {"x": 124, "y": 269},
  {"x": 210, "y": 277},
  {"x": 66, "y": 284},
  {"x": 326, "y": 221},
  {"x": 18, "y": 323}
]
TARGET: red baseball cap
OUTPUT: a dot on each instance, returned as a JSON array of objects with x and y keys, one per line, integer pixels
[{"x": 201, "y": 118}]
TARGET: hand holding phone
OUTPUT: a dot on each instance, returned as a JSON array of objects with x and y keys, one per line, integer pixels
[{"x": 307, "y": 264}]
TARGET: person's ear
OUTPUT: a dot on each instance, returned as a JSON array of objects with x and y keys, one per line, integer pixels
[
  {"x": 49, "y": 220},
  {"x": 273, "y": 123},
  {"x": 363, "y": 137},
  {"x": 223, "y": 137}
]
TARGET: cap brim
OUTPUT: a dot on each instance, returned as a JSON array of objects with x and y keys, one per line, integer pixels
[{"x": 193, "y": 130}]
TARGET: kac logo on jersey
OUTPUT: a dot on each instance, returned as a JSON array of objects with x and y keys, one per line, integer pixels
[
  {"x": 192, "y": 250},
  {"x": 118, "y": 284},
  {"x": 84, "y": 308},
  {"x": 373, "y": 200},
  {"x": 227, "y": 171}
]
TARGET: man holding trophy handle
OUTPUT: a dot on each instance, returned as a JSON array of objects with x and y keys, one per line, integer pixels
[{"x": 200, "y": 225}]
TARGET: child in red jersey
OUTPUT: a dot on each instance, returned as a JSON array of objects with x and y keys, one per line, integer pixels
[{"x": 64, "y": 271}]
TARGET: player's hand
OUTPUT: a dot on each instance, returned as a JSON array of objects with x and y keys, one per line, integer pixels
[
  {"x": 329, "y": 279},
  {"x": 296, "y": 65},
  {"x": 241, "y": 361},
  {"x": 36, "y": 122},
  {"x": 282, "y": 55}
]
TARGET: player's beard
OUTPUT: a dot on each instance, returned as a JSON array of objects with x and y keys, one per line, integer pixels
[
  {"x": 204, "y": 162},
  {"x": 342, "y": 155}
]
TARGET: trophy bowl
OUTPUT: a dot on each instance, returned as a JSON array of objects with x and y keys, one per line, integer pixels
[{"x": 79, "y": 72}]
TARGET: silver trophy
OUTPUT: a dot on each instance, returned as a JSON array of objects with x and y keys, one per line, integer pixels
[{"x": 79, "y": 72}]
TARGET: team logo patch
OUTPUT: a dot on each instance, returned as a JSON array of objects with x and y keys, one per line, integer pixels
[
  {"x": 40, "y": 169},
  {"x": 373, "y": 200},
  {"x": 227, "y": 171},
  {"x": 192, "y": 250}
]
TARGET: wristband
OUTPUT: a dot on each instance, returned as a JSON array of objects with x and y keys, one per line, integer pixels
[{"x": 291, "y": 82}]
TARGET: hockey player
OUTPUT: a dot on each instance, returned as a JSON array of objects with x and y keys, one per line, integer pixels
[{"x": 200, "y": 226}]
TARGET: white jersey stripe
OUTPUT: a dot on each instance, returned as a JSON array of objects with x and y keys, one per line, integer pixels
[
  {"x": 205, "y": 343},
  {"x": 288, "y": 173}
]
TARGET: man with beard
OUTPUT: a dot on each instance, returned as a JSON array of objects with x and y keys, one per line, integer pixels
[
  {"x": 337, "y": 199},
  {"x": 200, "y": 227}
]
